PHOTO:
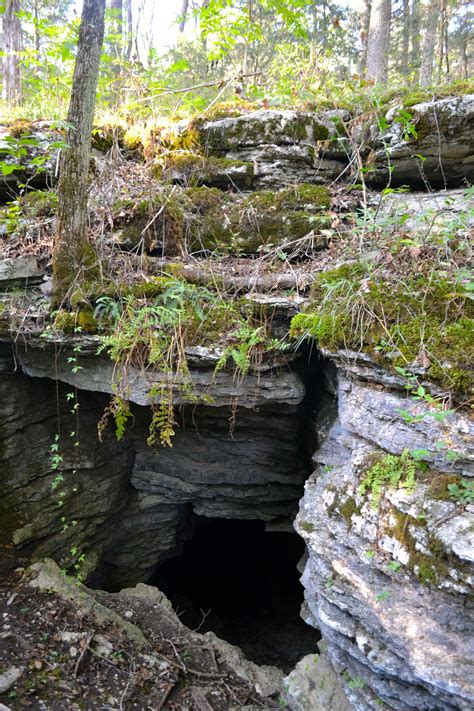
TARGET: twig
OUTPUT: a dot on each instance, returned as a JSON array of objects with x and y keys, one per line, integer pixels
[
  {"x": 220, "y": 82},
  {"x": 169, "y": 688},
  {"x": 130, "y": 676},
  {"x": 89, "y": 638}
]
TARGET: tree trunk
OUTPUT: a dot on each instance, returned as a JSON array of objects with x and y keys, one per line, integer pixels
[
  {"x": 405, "y": 38},
  {"x": 11, "y": 86},
  {"x": 128, "y": 15},
  {"x": 364, "y": 35},
  {"x": 183, "y": 15},
  {"x": 73, "y": 256},
  {"x": 36, "y": 31},
  {"x": 415, "y": 38},
  {"x": 443, "y": 41},
  {"x": 429, "y": 43},
  {"x": 378, "y": 46},
  {"x": 116, "y": 7}
]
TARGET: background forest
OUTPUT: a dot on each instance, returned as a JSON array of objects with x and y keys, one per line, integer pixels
[{"x": 181, "y": 57}]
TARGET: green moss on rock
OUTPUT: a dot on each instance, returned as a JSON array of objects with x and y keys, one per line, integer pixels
[
  {"x": 395, "y": 320},
  {"x": 194, "y": 168},
  {"x": 230, "y": 223}
]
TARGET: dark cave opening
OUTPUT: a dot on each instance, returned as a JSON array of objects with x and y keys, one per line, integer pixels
[{"x": 242, "y": 583}]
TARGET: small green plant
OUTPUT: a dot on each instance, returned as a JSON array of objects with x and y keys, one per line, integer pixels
[
  {"x": 392, "y": 472},
  {"x": 394, "y": 565},
  {"x": 463, "y": 492}
]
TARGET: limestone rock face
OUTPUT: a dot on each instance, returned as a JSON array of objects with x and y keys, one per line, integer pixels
[
  {"x": 19, "y": 272},
  {"x": 314, "y": 686},
  {"x": 132, "y": 504},
  {"x": 101, "y": 375},
  {"x": 390, "y": 585},
  {"x": 285, "y": 147},
  {"x": 428, "y": 212},
  {"x": 445, "y": 140}
]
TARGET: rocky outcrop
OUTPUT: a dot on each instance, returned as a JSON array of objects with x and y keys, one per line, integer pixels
[
  {"x": 389, "y": 584},
  {"x": 284, "y": 147},
  {"x": 273, "y": 383},
  {"x": 315, "y": 686},
  {"x": 32, "y": 151},
  {"x": 427, "y": 213},
  {"x": 22, "y": 271},
  {"x": 133, "y": 505},
  {"x": 429, "y": 144},
  {"x": 139, "y": 623}
]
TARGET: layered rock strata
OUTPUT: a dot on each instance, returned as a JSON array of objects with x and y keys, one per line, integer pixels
[
  {"x": 390, "y": 586},
  {"x": 132, "y": 505},
  {"x": 428, "y": 145}
]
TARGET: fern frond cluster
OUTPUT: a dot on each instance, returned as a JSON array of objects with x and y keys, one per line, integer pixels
[{"x": 389, "y": 472}]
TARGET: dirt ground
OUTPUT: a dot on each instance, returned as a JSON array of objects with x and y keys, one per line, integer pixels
[{"x": 60, "y": 656}]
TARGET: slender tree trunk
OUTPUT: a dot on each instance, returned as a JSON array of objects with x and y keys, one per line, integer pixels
[
  {"x": 443, "y": 41},
  {"x": 405, "y": 38},
  {"x": 183, "y": 15},
  {"x": 36, "y": 31},
  {"x": 128, "y": 15},
  {"x": 364, "y": 36},
  {"x": 11, "y": 86},
  {"x": 378, "y": 46},
  {"x": 73, "y": 256},
  {"x": 415, "y": 38},
  {"x": 429, "y": 43},
  {"x": 116, "y": 7}
]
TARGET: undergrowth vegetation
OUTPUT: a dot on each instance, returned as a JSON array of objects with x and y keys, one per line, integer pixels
[
  {"x": 411, "y": 309},
  {"x": 389, "y": 472},
  {"x": 155, "y": 333}
]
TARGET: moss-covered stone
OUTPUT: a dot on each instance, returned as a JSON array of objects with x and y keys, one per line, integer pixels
[
  {"x": 230, "y": 109},
  {"x": 192, "y": 168},
  {"x": 306, "y": 526},
  {"x": 80, "y": 320},
  {"x": 348, "y": 508},
  {"x": 260, "y": 128},
  {"x": 65, "y": 321},
  {"x": 431, "y": 315},
  {"x": 232, "y": 223},
  {"x": 39, "y": 203},
  {"x": 106, "y": 135},
  {"x": 430, "y": 568},
  {"x": 146, "y": 224}
]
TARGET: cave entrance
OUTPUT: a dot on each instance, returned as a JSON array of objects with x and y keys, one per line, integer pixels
[{"x": 242, "y": 583}]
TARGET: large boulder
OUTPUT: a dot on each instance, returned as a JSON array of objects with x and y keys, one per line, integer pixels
[
  {"x": 284, "y": 147},
  {"x": 430, "y": 144},
  {"x": 388, "y": 576}
]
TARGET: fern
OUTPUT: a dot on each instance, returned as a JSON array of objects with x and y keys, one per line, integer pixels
[
  {"x": 390, "y": 472},
  {"x": 119, "y": 409},
  {"x": 162, "y": 423}
]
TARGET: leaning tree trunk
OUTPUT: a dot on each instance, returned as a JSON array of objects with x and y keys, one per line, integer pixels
[
  {"x": 11, "y": 87},
  {"x": 378, "y": 45},
  {"x": 116, "y": 7},
  {"x": 128, "y": 16},
  {"x": 429, "y": 44},
  {"x": 73, "y": 256}
]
